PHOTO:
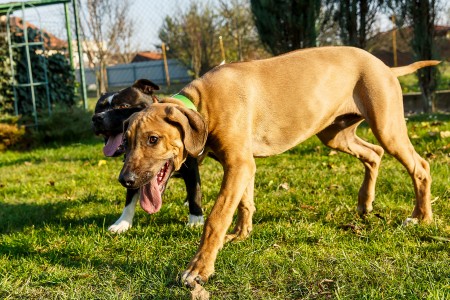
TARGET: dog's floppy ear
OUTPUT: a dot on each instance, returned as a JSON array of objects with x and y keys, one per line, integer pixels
[
  {"x": 146, "y": 86},
  {"x": 193, "y": 125}
]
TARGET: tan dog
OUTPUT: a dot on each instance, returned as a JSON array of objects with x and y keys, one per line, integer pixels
[{"x": 265, "y": 107}]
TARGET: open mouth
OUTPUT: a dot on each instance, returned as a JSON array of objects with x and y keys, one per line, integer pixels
[
  {"x": 114, "y": 145},
  {"x": 150, "y": 193}
]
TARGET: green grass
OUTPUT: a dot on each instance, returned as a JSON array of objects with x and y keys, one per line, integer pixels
[{"x": 307, "y": 243}]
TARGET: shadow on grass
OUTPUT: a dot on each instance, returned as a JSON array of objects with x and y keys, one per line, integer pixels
[{"x": 16, "y": 217}]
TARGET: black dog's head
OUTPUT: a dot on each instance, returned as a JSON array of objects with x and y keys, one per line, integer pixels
[{"x": 112, "y": 109}]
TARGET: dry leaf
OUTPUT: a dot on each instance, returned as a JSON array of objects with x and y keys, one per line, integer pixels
[
  {"x": 199, "y": 293},
  {"x": 334, "y": 187},
  {"x": 332, "y": 152},
  {"x": 27, "y": 163},
  {"x": 445, "y": 134},
  {"x": 284, "y": 186},
  {"x": 304, "y": 206}
]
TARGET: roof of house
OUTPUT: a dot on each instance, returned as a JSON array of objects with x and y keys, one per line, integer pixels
[
  {"x": 146, "y": 56},
  {"x": 50, "y": 40}
]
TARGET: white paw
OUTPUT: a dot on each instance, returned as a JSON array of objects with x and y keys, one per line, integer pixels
[
  {"x": 410, "y": 221},
  {"x": 120, "y": 226},
  {"x": 195, "y": 221}
]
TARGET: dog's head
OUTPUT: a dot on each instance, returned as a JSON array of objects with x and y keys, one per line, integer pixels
[
  {"x": 112, "y": 109},
  {"x": 157, "y": 141}
]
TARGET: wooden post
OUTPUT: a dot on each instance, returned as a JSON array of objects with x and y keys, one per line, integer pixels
[
  {"x": 166, "y": 67},
  {"x": 222, "y": 50},
  {"x": 394, "y": 40}
]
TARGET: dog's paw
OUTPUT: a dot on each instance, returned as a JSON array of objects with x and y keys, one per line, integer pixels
[
  {"x": 195, "y": 221},
  {"x": 198, "y": 272},
  {"x": 190, "y": 279},
  {"x": 119, "y": 227}
]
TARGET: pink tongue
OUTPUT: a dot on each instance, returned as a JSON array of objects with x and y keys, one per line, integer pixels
[
  {"x": 151, "y": 196},
  {"x": 112, "y": 144}
]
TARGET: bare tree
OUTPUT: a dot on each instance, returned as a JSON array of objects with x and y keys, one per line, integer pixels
[
  {"x": 191, "y": 37},
  {"x": 238, "y": 31},
  {"x": 108, "y": 30}
]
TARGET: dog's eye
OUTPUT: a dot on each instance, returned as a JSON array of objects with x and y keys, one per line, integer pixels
[
  {"x": 122, "y": 106},
  {"x": 152, "y": 139}
]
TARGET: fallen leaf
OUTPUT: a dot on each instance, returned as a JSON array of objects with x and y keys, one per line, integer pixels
[
  {"x": 101, "y": 162},
  {"x": 445, "y": 134},
  {"x": 304, "y": 206},
  {"x": 199, "y": 293},
  {"x": 334, "y": 187},
  {"x": 284, "y": 186},
  {"x": 332, "y": 152},
  {"x": 27, "y": 163}
]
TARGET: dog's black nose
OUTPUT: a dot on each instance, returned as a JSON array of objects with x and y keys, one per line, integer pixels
[{"x": 127, "y": 179}]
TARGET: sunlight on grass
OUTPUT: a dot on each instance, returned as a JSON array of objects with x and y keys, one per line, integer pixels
[{"x": 308, "y": 241}]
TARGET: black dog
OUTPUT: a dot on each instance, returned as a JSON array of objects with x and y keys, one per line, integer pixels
[{"x": 111, "y": 110}]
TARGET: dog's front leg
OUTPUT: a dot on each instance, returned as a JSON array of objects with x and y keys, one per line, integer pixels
[
  {"x": 126, "y": 219},
  {"x": 237, "y": 176}
]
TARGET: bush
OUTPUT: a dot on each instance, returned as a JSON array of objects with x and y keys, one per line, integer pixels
[
  {"x": 11, "y": 135},
  {"x": 61, "y": 80},
  {"x": 65, "y": 125}
]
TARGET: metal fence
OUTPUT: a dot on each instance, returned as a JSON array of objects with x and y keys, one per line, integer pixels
[{"x": 126, "y": 74}]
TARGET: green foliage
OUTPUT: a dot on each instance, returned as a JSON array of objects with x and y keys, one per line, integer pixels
[
  {"x": 355, "y": 18},
  {"x": 421, "y": 16},
  {"x": 307, "y": 241},
  {"x": 286, "y": 25},
  {"x": 65, "y": 125},
  {"x": 6, "y": 93},
  {"x": 61, "y": 81}
]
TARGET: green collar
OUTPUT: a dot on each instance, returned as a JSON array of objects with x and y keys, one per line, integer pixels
[{"x": 185, "y": 100}]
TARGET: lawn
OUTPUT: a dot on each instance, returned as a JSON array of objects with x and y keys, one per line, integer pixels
[{"x": 308, "y": 242}]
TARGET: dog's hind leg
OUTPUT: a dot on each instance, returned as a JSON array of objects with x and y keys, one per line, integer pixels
[
  {"x": 341, "y": 135},
  {"x": 126, "y": 219},
  {"x": 391, "y": 132},
  {"x": 246, "y": 209}
]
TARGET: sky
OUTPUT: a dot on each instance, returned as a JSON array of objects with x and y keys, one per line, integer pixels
[{"x": 148, "y": 16}]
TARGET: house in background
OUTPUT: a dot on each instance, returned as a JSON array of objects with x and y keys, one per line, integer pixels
[
  {"x": 147, "y": 56},
  {"x": 51, "y": 43},
  {"x": 381, "y": 45}
]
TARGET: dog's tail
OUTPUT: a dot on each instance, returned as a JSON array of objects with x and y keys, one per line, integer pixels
[{"x": 400, "y": 71}]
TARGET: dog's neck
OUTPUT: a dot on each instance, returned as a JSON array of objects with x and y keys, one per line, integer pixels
[{"x": 186, "y": 101}]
